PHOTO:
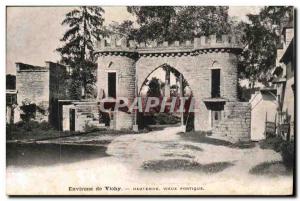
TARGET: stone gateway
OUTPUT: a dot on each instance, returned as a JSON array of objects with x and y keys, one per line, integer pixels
[{"x": 209, "y": 64}]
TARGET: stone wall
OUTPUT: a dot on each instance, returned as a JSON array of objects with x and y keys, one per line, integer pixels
[
  {"x": 123, "y": 120},
  {"x": 236, "y": 123},
  {"x": 86, "y": 115},
  {"x": 42, "y": 86},
  {"x": 58, "y": 90},
  {"x": 32, "y": 84}
]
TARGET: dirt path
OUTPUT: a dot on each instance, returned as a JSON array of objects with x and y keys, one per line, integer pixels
[
  {"x": 159, "y": 159},
  {"x": 167, "y": 144}
]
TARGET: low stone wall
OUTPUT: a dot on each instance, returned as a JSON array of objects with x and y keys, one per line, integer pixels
[
  {"x": 236, "y": 123},
  {"x": 87, "y": 114}
]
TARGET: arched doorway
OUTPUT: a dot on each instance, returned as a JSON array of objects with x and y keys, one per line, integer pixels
[{"x": 173, "y": 91}]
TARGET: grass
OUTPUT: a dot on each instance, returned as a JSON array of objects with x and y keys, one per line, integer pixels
[
  {"x": 201, "y": 137},
  {"x": 271, "y": 168},
  {"x": 34, "y": 131},
  {"x": 285, "y": 148},
  {"x": 184, "y": 164},
  {"x": 271, "y": 143},
  {"x": 37, "y": 134},
  {"x": 165, "y": 119}
]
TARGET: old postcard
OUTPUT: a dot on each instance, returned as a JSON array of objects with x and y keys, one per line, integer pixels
[{"x": 150, "y": 100}]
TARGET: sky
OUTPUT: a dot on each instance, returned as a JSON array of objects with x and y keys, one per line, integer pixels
[{"x": 33, "y": 33}]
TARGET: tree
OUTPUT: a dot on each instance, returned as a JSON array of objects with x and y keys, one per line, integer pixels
[
  {"x": 123, "y": 30},
  {"x": 261, "y": 36},
  {"x": 196, "y": 21},
  {"x": 154, "y": 22},
  {"x": 85, "y": 27},
  {"x": 154, "y": 88},
  {"x": 170, "y": 23}
]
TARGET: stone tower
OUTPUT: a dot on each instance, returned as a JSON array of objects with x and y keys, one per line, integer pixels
[{"x": 116, "y": 63}]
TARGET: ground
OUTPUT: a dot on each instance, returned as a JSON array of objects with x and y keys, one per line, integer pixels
[{"x": 162, "y": 160}]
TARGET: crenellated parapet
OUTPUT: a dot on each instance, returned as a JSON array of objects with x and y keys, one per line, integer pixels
[
  {"x": 204, "y": 44},
  {"x": 112, "y": 46}
]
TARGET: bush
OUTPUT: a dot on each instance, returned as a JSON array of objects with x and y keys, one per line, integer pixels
[
  {"x": 286, "y": 149},
  {"x": 287, "y": 153},
  {"x": 45, "y": 126},
  {"x": 31, "y": 125},
  {"x": 165, "y": 118},
  {"x": 271, "y": 143},
  {"x": 29, "y": 110}
]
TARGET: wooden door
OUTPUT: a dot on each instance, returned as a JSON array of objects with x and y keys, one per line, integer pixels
[
  {"x": 215, "y": 118},
  {"x": 72, "y": 119}
]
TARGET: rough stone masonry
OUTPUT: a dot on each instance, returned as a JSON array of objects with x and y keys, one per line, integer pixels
[{"x": 209, "y": 65}]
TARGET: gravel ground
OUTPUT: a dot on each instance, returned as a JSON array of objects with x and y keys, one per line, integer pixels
[{"x": 159, "y": 162}]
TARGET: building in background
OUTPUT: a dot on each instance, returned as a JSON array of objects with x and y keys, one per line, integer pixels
[
  {"x": 11, "y": 98},
  {"x": 284, "y": 81},
  {"x": 11, "y": 104},
  {"x": 42, "y": 86},
  {"x": 263, "y": 113}
]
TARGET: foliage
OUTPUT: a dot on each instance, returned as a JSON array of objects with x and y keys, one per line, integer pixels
[
  {"x": 261, "y": 36},
  {"x": 196, "y": 21},
  {"x": 271, "y": 143},
  {"x": 286, "y": 149},
  {"x": 271, "y": 168},
  {"x": 29, "y": 111},
  {"x": 75, "y": 89},
  {"x": 84, "y": 29},
  {"x": 122, "y": 30},
  {"x": 155, "y": 22},
  {"x": 155, "y": 85},
  {"x": 170, "y": 23},
  {"x": 154, "y": 88},
  {"x": 287, "y": 152},
  {"x": 165, "y": 119},
  {"x": 244, "y": 93},
  {"x": 30, "y": 126}
]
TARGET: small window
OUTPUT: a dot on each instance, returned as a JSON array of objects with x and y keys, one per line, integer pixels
[
  {"x": 112, "y": 90},
  {"x": 215, "y": 83}
]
